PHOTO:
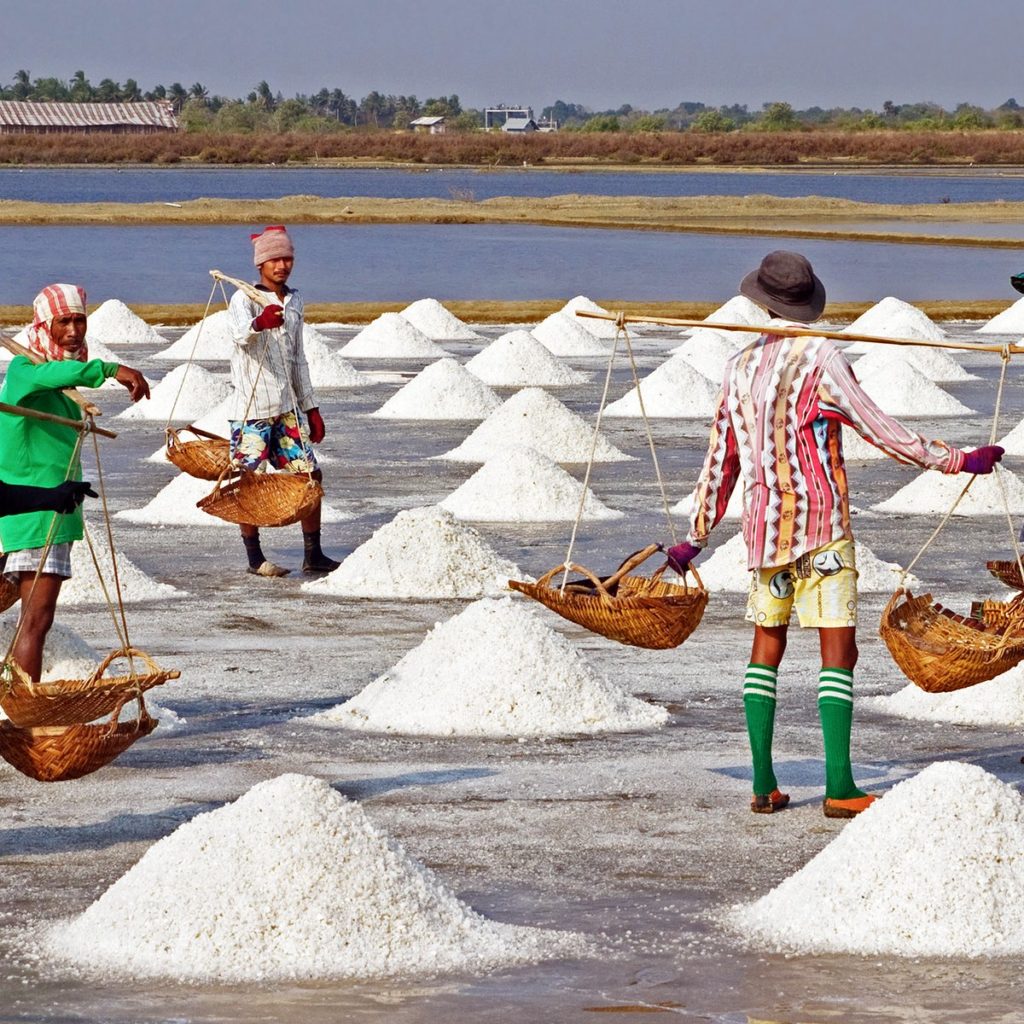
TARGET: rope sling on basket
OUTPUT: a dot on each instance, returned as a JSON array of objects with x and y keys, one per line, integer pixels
[
  {"x": 636, "y": 610},
  {"x": 207, "y": 457}
]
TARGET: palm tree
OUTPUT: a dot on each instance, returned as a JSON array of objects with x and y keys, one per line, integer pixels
[
  {"x": 264, "y": 96},
  {"x": 81, "y": 89},
  {"x": 130, "y": 91},
  {"x": 108, "y": 91},
  {"x": 178, "y": 94},
  {"x": 22, "y": 85},
  {"x": 199, "y": 92}
]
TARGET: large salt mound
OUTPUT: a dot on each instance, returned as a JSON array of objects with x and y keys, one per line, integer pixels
[
  {"x": 437, "y": 322},
  {"x": 84, "y": 586},
  {"x": 708, "y": 352},
  {"x": 900, "y": 389},
  {"x": 445, "y": 390},
  {"x": 539, "y": 686},
  {"x": 905, "y": 880},
  {"x": 391, "y": 336},
  {"x": 518, "y": 359},
  {"x": 291, "y": 881},
  {"x": 532, "y": 418},
  {"x": 65, "y": 656},
  {"x": 674, "y": 389},
  {"x": 564, "y": 335},
  {"x": 856, "y": 449},
  {"x": 893, "y": 318},
  {"x": 935, "y": 364},
  {"x": 598, "y": 328},
  {"x": 734, "y": 510},
  {"x": 1013, "y": 442},
  {"x": 186, "y": 393},
  {"x": 421, "y": 553},
  {"x": 211, "y": 338},
  {"x": 739, "y": 310},
  {"x": 327, "y": 369},
  {"x": 933, "y": 493},
  {"x": 1010, "y": 321},
  {"x": 113, "y": 323},
  {"x": 519, "y": 485}
]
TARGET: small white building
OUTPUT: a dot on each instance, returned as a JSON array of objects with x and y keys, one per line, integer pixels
[
  {"x": 519, "y": 125},
  {"x": 431, "y": 125}
]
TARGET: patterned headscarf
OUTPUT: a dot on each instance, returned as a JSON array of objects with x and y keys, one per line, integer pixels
[
  {"x": 271, "y": 243},
  {"x": 56, "y": 300}
]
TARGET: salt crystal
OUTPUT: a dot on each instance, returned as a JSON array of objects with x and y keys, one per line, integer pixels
[
  {"x": 900, "y": 389},
  {"x": 519, "y": 485},
  {"x": 113, "y": 323},
  {"x": 674, "y": 389},
  {"x": 893, "y": 318},
  {"x": 186, "y": 393},
  {"x": 1010, "y": 321},
  {"x": 933, "y": 493},
  {"x": 391, "y": 336},
  {"x": 444, "y": 390},
  {"x": 290, "y": 882},
  {"x": 707, "y": 352},
  {"x": 563, "y": 335},
  {"x": 84, "y": 587},
  {"x": 456, "y": 684},
  {"x": 518, "y": 359},
  {"x": 935, "y": 364},
  {"x": 210, "y": 340},
  {"x": 598, "y": 328},
  {"x": 437, "y": 322}
]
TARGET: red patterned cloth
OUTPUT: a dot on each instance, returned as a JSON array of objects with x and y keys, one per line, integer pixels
[
  {"x": 271, "y": 243},
  {"x": 56, "y": 300}
]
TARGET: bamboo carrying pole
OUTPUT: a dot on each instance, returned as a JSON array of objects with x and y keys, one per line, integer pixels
[
  {"x": 785, "y": 331},
  {"x": 49, "y": 417},
  {"x": 19, "y": 350},
  {"x": 263, "y": 298}
]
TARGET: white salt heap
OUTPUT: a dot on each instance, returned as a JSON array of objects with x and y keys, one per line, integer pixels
[
  {"x": 421, "y": 553},
  {"x": 518, "y": 359},
  {"x": 564, "y": 335},
  {"x": 1013, "y": 442},
  {"x": 893, "y": 318},
  {"x": 906, "y": 879},
  {"x": 210, "y": 337},
  {"x": 934, "y": 363},
  {"x": 455, "y": 684},
  {"x": 739, "y": 310},
  {"x": 65, "y": 656},
  {"x": 598, "y": 328},
  {"x": 933, "y": 493},
  {"x": 113, "y": 323},
  {"x": 84, "y": 586},
  {"x": 290, "y": 882},
  {"x": 1010, "y": 321},
  {"x": 186, "y": 393},
  {"x": 519, "y": 485},
  {"x": 734, "y": 509},
  {"x": 437, "y": 322},
  {"x": 674, "y": 389},
  {"x": 444, "y": 390},
  {"x": 532, "y": 418},
  {"x": 327, "y": 369},
  {"x": 708, "y": 351},
  {"x": 856, "y": 449},
  {"x": 900, "y": 389},
  {"x": 391, "y": 336}
]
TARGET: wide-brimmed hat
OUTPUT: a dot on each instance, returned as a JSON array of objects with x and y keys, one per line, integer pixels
[{"x": 786, "y": 284}]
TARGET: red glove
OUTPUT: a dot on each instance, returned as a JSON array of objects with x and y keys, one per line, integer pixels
[
  {"x": 681, "y": 555},
  {"x": 982, "y": 460},
  {"x": 316, "y": 426},
  {"x": 271, "y": 317}
]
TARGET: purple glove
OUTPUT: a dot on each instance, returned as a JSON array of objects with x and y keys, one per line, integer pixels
[
  {"x": 681, "y": 555},
  {"x": 982, "y": 460}
]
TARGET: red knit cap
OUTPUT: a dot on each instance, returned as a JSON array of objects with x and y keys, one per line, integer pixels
[{"x": 271, "y": 243}]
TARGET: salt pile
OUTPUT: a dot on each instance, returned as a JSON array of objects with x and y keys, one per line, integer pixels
[
  {"x": 186, "y": 393},
  {"x": 900, "y": 389},
  {"x": 391, "y": 336},
  {"x": 934, "y": 493},
  {"x": 421, "y": 553},
  {"x": 518, "y": 359},
  {"x": 935, "y": 364},
  {"x": 898, "y": 881},
  {"x": 211, "y": 339},
  {"x": 856, "y": 449},
  {"x": 707, "y": 352},
  {"x": 739, "y": 310},
  {"x": 598, "y": 328},
  {"x": 445, "y": 390},
  {"x": 291, "y": 881},
  {"x": 1010, "y": 321},
  {"x": 563, "y": 335},
  {"x": 65, "y": 656},
  {"x": 453, "y": 684},
  {"x": 437, "y": 322},
  {"x": 674, "y": 389},
  {"x": 327, "y": 369},
  {"x": 84, "y": 586},
  {"x": 113, "y": 323},
  {"x": 532, "y": 418},
  {"x": 734, "y": 510},
  {"x": 519, "y": 485},
  {"x": 1013, "y": 442},
  {"x": 893, "y": 318}
]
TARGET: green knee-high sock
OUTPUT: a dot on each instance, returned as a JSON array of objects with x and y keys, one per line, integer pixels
[
  {"x": 759, "y": 705},
  {"x": 835, "y": 706}
]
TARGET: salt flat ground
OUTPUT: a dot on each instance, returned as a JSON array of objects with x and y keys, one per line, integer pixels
[{"x": 638, "y": 840}]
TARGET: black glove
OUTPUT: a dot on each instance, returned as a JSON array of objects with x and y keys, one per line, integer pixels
[
  {"x": 70, "y": 494},
  {"x": 65, "y": 497}
]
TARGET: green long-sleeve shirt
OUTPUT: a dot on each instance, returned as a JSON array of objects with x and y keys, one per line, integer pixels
[{"x": 39, "y": 453}]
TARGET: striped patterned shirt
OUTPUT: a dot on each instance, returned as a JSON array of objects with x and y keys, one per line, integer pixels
[
  {"x": 778, "y": 427},
  {"x": 268, "y": 368}
]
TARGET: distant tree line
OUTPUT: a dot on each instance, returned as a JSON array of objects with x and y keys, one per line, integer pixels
[{"x": 332, "y": 110}]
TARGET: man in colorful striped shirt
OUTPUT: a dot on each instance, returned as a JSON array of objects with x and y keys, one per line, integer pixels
[{"x": 778, "y": 428}]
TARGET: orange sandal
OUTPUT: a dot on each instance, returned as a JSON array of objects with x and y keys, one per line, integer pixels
[
  {"x": 768, "y": 803},
  {"x": 834, "y": 808}
]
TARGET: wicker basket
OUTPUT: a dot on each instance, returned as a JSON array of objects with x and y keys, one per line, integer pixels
[
  {"x": 264, "y": 499},
  {"x": 63, "y": 752},
  {"x": 940, "y": 651},
  {"x": 1007, "y": 572},
  {"x": 9, "y": 593},
  {"x": 635, "y": 610},
  {"x": 207, "y": 458},
  {"x": 73, "y": 701}
]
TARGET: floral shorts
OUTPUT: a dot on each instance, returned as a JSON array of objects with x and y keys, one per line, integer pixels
[{"x": 276, "y": 440}]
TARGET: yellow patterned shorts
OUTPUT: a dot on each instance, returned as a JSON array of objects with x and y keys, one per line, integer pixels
[{"x": 821, "y": 584}]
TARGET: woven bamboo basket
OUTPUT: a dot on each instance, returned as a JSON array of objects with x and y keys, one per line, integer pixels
[
  {"x": 636, "y": 610},
  {"x": 1002, "y": 615},
  {"x": 1007, "y": 572},
  {"x": 58, "y": 753},
  {"x": 940, "y": 651},
  {"x": 263, "y": 499},
  {"x": 73, "y": 701},
  {"x": 9, "y": 593},
  {"x": 207, "y": 458}
]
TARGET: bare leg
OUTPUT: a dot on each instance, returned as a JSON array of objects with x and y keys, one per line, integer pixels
[
  {"x": 838, "y": 647},
  {"x": 36, "y": 619},
  {"x": 769, "y": 645}
]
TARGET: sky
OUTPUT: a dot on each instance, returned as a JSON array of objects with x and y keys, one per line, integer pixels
[{"x": 599, "y": 53}]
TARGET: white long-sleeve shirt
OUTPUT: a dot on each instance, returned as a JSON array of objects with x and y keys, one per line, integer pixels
[{"x": 268, "y": 368}]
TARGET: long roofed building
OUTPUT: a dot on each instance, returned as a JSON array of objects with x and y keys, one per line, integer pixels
[{"x": 18, "y": 116}]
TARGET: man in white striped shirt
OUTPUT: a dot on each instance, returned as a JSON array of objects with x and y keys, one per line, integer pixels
[{"x": 272, "y": 392}]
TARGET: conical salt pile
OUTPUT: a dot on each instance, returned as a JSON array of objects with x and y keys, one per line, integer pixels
[
  {"x": 563, "y": 335},
  {"x": 211, "y": 339},
  {"x": 856, "y": 449},
  {"x": 900, "y": 389},
  {"x": 674, "y": 389},
  {"x": 391, "y": 336},
  {"x": 518, "y": 359},
  {"x": 186, "y": 393},
  {"x": 739, "y": 310},
  {"x": 421, "y": 553},
  {"x": 327, "y": 369},
  {"x": 708, "y": 351},
  {"x": 598, "y": 328},
  {"x": 734, "y": 510},
  {"x": 934, "y": 493},
  {"x": 494, "y": 670},
  {"x": 519, "y": 485},
  {"x": 65, "y": 656},
  {"x": 903, "y": 879},
  {"x": 113, "y": 323},
  {"x": 532, "y": 418},
  {"x": 934, "y": 363},
  {"x": 445, "y": 390},
  {"x": 1013, "y": 442},
  {"x": 290, "y": 882},
  {"x": 84, "y": 587},
  {"x": 437, "y": 322},
  {"x": 1010, "y": 321},
  {"x": 893, "y": 318}
]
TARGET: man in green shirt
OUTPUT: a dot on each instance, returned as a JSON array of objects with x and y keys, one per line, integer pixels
[{"x": 43, "y": 454}]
